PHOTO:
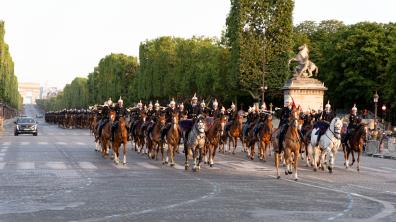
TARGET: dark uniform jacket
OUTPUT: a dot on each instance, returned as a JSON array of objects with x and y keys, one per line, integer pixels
[
  {"x": 193, "y": 111},
  {"x": 285, "y": 114},
  {"x": 328, "y": 116}
]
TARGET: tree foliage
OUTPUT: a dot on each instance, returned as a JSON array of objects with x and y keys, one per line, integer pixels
[{"x": 8, "y": 81}]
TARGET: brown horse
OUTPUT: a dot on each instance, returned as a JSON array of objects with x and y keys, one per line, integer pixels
[
  {"x": 355, "y": 144},
  {"x": 172, "y": 139},
  {"x": 264, "y": 134},
  {"x": 234, "y": 133},
  {"x": 213, "y": 135},
  {"x": 106, "y": 135},
  {"x": 153, "y": 139},
  {"x": 137, "y": 134},
  {"x": 120, "y": 137},
  {"x": 291, "y": 146}
]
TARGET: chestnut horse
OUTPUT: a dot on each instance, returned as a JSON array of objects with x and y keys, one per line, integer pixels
[
  {"x": 213, "y": 136},
  {"x": 291, "y": 144},
  {"x": 153, "y": 139},
  {"x": 120, "y": 137},
  {"x": 264, "y": 134},
  {"x": 137, "y": 134},
  {"x": 172, "y": 139},
  {"x": 355, "y": 144},
  {"x": 235, "y": 133},
  {"x": 106, "y": 134}
]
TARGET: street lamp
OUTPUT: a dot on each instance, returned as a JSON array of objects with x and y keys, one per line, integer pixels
[
  {"x": 375, "y": 97},
  {"x": 383, "y": 117},
  {"x": 263, "y": 88}
]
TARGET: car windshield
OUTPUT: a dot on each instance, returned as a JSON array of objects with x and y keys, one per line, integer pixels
[{"x": 26, "y": 120}]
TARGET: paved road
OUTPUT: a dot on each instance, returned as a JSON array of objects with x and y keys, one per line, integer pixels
[{"x": 57, "y": 176}]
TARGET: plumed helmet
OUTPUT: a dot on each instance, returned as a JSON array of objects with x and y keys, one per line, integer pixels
[
  {"x": 328, "y": 106},
  {"x": 150, "y": 106},
  {"x": 263, "y": 106},
  {"x": 354, "y": 109},
  {"x": 215, "y": 103},
  {"x": 232, "y": 105},
  {"x": 172, "y": 102},
  {"x": 105, "y": 103},
  {"x": 223, "y": 109},
  {"x": 203, "y": 103},
  {"x": 181, "y": 106},
  {"x": 194, "y": 97},
  {"x": 120, "y": 101},
  {"x": 250, "y": 109},
  {"x": 140, "y": 104},
  {"x": 157, "y": 104},
  {"x": 109, "y": 102}
]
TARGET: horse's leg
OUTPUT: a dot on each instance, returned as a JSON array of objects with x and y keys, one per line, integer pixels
[
  {"x": 200, "y": 149},
  {"x": 277, "y": 157},
  {"x": 358, "y": 160},
  {"x": 172, "y": 152},
  {"x": 168, "y": 153},
  {"x": 316, "y": 153},
  {"x": 353, "y": 156},
  {"x": 206, "y": 153},
  {"x": 295, "y": 164},
  {"x": 213, "y": 153},
  {"x": 124, "y": 150},
  {"x": 195, "y": 153},
  {"x": 186, "y": 157},
  {"x": 163, "y": 153}
]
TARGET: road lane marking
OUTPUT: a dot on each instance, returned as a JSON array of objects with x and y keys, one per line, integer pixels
[
  {"x": 376, "y": 170},
  {"x": 179, "y": 167},
  {"x": 25, "y": 143},
  {"x": 6, "y": 143},
  {"x": 56, "y": 165},
  {"x": 25, "y": 165},
  {"x": 61, "y": 143},
  {"x": 147, "y": 165},
  {"x": 81, "y": 143},
  {"x": 43, "y": 143},
  {"x": 2, "y": 165},
  {"x": 87, "y": 165},
  {"x": 388, "y": 168}
]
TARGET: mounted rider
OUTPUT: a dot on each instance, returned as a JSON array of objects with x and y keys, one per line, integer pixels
[
  {"x": 193, "y": 108},
  {"x": 120, "y": 112},
  {"x": 353, "y": 124},
  {"x": 182, "y": 111},
  {"x": 215, "y": 112},
  {"x": 284, "y": 120},
  {"x": 262, "y": 117},
  {"x": 105, "y": 115},
  {"x": 135, "y": 115},
  {"x": 232, "y": 114},
  {"x": 168, "y": 116},
  {"x": 203, "y": 109},
  {"x": 324, "y": 121}
]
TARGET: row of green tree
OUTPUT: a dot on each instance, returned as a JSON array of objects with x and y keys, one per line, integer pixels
[
  {"x": 354, "y": 61},
  {"x": 8, "y": 81}
]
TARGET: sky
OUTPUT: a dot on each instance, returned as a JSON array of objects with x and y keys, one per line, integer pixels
[{"x": 54, "y": 41}]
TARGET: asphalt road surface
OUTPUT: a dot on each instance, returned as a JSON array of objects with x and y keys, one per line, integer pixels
[{"x": 57, "y": 176}]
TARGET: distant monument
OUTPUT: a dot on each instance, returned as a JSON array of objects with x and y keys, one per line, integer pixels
[{"x": 306, "y": 92}]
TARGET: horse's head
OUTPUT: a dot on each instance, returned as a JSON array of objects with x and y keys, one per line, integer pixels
[
  {"x": 200, "y": 124},
  {"x": 222, "y": 121},
  {"x": 112, "y": 115},
  {"x": 162, "y": 119},
  {"x": 122, "y": 122},
  {"x": 336, "y": 127},
  {"x": 175, "y": 118}
]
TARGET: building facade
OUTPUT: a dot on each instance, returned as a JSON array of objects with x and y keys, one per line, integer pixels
[{"x": 30, "y": 92}]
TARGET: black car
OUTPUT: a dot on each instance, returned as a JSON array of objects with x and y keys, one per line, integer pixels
[{"x": 25, "y": 125}]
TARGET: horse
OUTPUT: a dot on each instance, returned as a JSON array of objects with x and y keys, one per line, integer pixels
[
  {"x": 213, "y": 136},
  {"x": 106, "y": 134},
  {"x": 137, "y": 134},
  {"x": 153, "y": 139},
  {"x": 120, "y": 137},
  {"x": 355, "y": 144},
  {"x": 235, "y": 133},
  {"x": 195, "y": 143},
  {"x": 291, "y": 144},
  {"x": 306, "y": 148},
  {"x": 328, "y": 144},
  {"x": 264, "y": 136},
  {"x": 172, "y": 138}
]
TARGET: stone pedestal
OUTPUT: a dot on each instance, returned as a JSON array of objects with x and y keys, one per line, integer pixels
[{"x": 306, "y": 92}]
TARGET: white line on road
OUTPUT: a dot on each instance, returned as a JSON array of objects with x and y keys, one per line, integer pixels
[
  {"x": 2, "y": 165},
  {"x": 147, "y": 165},
  {"x": 388, "y": 168},
  {"x": 25, "y": 143},
  {"x": 376, "y": 170},
  {"x": 87, "y": 165},
  {"x": 81, "y": 143},
  {"x": 61, "y": 143},
  {"x": 179, "y": 167},
  {"x": 56, "y": 165},
  {"x": 25, "y": 165},
  {"x": 6, "y": 143},
  {"x": 42, "y": 143}
]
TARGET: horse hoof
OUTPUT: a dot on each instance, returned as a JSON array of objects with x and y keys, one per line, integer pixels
[
  {"x": 296, "y": 179},
  {"x": 358, "y": 169},
  {"x": 278, "y": 177},
  {"x": 314, "y": 169},
  {"x": 330, "y": 169},
  {"x": 211, "y": 165},
  {"x": 290, "y": 172},
  {"x": 172, "y": 164},
  {"x": 185, "y": 167},
  {"x": 166, "y": 162},
  {"x": 286, "y": 173},
  {"x": 205, "y": 162}
]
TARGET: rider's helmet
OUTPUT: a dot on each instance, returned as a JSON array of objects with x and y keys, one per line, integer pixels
[
  {"x": 354, "y": 109},
  {"x": 109, "y": 102},
  {"x": 194, "y": 100},
  {"x": 157, "y": 105},
  {"x": 120, "y": 102},
  {"x": 140, "y": 104},
  {"x": 203, "y": 104},
  {"x": 223, "y": 110},
  {"x": 105, "y": 104},
  {"x": 263, "y": 107},
  {"x": 288, "y": 101},
  {"x": 233, "y": 107},
  {"x": 215, "y": 104},
  {"x": 328, "y": 106},
  {"x": 172, "y": 103},
  {"x": 150, "y": 106}
]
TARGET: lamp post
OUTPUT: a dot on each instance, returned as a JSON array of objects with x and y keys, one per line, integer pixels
[
  {"x": 383, "y": 113},
  {"x": 263, "y": 88},
  {"x": 375, "y": 97}
]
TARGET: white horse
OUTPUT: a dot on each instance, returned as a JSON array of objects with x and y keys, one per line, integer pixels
[{"x": 328, "y": 145}]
